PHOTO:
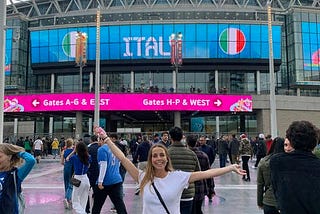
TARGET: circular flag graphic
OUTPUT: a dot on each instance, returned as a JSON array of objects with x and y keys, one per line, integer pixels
[
  {"x": 69, "y": 44},
  {"x": 232, "y": 41}
]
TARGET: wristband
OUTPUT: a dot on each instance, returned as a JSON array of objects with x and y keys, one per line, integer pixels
[{"x": 104, "y": 138}]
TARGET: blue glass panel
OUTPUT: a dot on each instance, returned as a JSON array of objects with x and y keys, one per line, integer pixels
[
  {"x": 34, "y": 38},
  {"x": 91, "y": 53},
  {"x": 35, "y": 55},
  {"x": 44, "y": 38},
  {"x": 255, "y": 34},
  {"x": 276, "y": 34},
  {"x": 305, "y": 27},
  {"x": 53, "y": 37},
  {"x": 8, "y": 52},
  {"x": 313, "y": 27},
  {"x": 43, "y": 54},
  {"x": 201, "y": 33},
  {"x": 53, "y": 53}
]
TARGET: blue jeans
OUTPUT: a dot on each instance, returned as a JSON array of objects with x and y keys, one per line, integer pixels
[
  {"x": 223, "y": 160},
  {"x": 67, "y": 174},
  {"x": 186, "y": 207}
]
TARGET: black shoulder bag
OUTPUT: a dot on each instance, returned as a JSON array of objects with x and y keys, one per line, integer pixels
[{"x": 160, "y": 198}]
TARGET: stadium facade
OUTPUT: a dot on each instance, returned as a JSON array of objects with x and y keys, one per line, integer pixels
[{"x": 224, "y": 55}]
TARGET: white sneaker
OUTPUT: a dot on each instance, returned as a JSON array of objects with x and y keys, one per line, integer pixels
[
  {"x": 113, "y": 210},
  {"x": 253, "y": 167},
  {"x": 66, "y": 204}
]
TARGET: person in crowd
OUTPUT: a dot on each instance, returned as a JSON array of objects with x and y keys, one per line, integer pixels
[
  {"x": 134, "y": 145},
  {"x": 156, "y": 138},
  {"x": 109, "y": 180},
  {"x": 261, "y": 149},
  {"x": 210, "y": 153},
  {"x": 93, "y": 171},
  {"x": 295, "y": 176},
  {"x": 223, "y": 150},
  {"x": 234, "y": 145},
  {"x": 122, "y": 170},
  {"x": 159, "y": 174},
  {"x": 61, "y": 144},
  {"x": 38, "y": 149},
  {"x": 20, "y": 142},
  {"x": 201, "y": 187},
  {"x": 12, "y": 173},
  {"x": 67, "y": 172},
  {"x": 213, "y": 143},
  {"x": 27, "y": 145},
  {"x": 269, "y": 142},
  {"x": 184, "y": 159},
  {"x": 142, "y": 156},
  {"x": 265, "y": 195},
  {"x": 45, "y": 141},
  {"x": 245, "y": 151},
  {"x": 165, "y": 139},
  {"x": 287, "y": 146},
  {"x": 254, "y": 143},
  {"x": 55, "y": 148},
  {"x": 80, "y": 162},
  {"x": 87, "y": 139}
]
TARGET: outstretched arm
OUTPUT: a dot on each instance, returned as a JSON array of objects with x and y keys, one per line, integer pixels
[
  {"x": 132, "y": 170},
  {"x": 200, "y": 175}
]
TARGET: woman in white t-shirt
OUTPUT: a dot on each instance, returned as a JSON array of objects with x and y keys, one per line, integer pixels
[{"x": 169, "y": 182}]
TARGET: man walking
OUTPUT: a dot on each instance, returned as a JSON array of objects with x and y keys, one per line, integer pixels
[
  {"x": 186, "y": 160},
  {"x": 109, "y": 181}
]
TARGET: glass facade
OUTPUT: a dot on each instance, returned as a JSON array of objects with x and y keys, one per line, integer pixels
[{"x": 296, "y": 38}]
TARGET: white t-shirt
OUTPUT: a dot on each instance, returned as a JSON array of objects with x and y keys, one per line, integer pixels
[
  {"x": 170, "y": 189},
  {"x": 37, "y": 144}
]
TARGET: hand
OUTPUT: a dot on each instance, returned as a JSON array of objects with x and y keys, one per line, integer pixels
[
  {"x": 236, "y": 168},
  {"x": 100, "y": 186},
  {"x": 99, "y": 132}
]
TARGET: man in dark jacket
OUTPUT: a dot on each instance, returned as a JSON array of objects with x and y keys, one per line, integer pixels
[
  {"x": 223, "y": 150},
  {"x": 186, "y": 160},
  {"x": 295, "y": 176},
  {"x": 261, "y": 149},
  {"x": 142, "y": 156},
  {"x": 93, "y": 170},
  {"x": 201, "y": 186},
  {"x": 211, "y": 155}
]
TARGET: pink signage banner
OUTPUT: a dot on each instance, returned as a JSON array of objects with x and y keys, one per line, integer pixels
[{"x": 128, "y": 102}]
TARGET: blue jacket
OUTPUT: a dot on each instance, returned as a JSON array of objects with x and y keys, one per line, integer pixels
[{"x": 8, "y": 193}]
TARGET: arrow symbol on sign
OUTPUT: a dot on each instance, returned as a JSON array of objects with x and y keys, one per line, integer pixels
[
  {"x": 217, "y": 103},
  {"x": 35, "y": 103}
]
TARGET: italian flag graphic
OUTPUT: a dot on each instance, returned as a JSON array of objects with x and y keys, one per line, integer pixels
[
  {"x": 69, "y": 44},
  {"x": 232, "y": 41}
]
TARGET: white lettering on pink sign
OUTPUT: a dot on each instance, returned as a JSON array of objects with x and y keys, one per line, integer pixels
[{"x": 133, "y": 102}]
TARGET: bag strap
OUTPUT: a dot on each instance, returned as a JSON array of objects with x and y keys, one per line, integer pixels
[{"x": 160, "y": 198}]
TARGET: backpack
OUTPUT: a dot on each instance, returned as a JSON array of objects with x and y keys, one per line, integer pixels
[{"x": 261, "y": 148}]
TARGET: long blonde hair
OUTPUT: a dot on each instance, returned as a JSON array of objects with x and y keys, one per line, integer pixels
[
  {"x": 149, "y": 175},
  {"x": 12, "y": 150}
]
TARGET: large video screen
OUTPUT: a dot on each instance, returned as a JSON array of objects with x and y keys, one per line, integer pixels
[
  {"x": 152, "y": 41},
  {"x": 311, "y": 46},
  {"x": 138, "y": 102},
  {"x": 8, "y": 52}
]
